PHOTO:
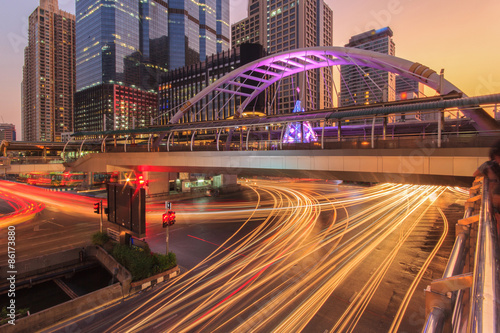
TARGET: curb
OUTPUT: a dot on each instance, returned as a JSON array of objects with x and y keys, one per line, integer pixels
[
  {"x": 154, "y": 280},
  {"x": 61, "y": 189}
]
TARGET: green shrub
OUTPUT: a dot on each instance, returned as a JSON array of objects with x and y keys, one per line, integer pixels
[
  {"x": 19, "y": 314},
  {"x": 142, "y": 264},
  {"x": 164, "y": 262},
  {"x": 100, "y": 238}
]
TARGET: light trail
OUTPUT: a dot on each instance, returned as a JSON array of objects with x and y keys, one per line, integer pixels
[
  {"x": 23, "y": 209},
  {"x": 281, "y": 274},
  {"x": 63, "y": 201},
  {"x": 406, "y": 300}
]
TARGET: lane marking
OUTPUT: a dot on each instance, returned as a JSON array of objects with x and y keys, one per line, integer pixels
[{"x": 224, "y": 248}]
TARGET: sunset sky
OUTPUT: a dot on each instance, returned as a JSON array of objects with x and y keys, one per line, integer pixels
[{"x": 461, "y": 36}]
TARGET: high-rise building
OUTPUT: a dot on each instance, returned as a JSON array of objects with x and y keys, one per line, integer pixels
[
  {"x": 7, "y": 132},
  {"x": 364, "y": 85},
  {"x": 181, "y": 84},
  {"x": 408, "y": 89},
  {"x": 48, "y": 74},
  {"x": 123, "y": 46},
  {"x": 286, "y": 25}
]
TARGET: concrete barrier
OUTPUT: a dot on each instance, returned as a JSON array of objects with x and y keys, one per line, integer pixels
[
  {"x": 55, "y": 314},
  {"x": 112, "y": 266},
  {"x": 43, "y": 264}
]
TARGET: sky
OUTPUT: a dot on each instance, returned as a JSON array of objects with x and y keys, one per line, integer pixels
[{"x": 460, "y": 36}]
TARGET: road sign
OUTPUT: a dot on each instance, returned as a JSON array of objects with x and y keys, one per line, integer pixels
[{"x": 168, "y": 205}]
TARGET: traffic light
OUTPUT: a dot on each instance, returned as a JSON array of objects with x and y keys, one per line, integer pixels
[
  {"x": 168, "y": 218},
  {"x": 171, "y": 217},
  {"x": 97, "y": 208},
  {"x": 140, "y": 181},
  {"x": 164, "y": 219}
]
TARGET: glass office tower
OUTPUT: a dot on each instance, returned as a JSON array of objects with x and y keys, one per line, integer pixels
[{"x": 130, "y": 43}]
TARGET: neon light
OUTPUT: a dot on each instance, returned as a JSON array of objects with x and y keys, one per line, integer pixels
[{"x": 294, "y": 132}]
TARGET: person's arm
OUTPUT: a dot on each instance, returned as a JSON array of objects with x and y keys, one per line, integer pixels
[{"x": 482, "y": 170}]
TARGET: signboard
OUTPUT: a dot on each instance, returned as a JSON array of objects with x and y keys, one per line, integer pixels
[{"x": 127, "y": 208}]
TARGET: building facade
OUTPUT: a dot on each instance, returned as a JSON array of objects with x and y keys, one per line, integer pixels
[
  {"x": 125, "y": 46},
  {"x": 7, "y": 132},
  {"x": 287, "y": 25},
  {"x": 181, "y": 84},
  {"x": 48, "y": 74},
  {"x": 364, "y": 85}
]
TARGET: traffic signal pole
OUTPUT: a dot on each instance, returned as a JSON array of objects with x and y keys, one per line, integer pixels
[
  {"x": 167, "y": 239},
  {"x": 102, "y": 209}
]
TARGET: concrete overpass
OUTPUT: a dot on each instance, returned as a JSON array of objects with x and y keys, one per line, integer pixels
[{"x": 425, "y": 165}]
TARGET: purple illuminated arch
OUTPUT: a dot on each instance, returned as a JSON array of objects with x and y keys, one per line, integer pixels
[{"x": 269, "y": 70}]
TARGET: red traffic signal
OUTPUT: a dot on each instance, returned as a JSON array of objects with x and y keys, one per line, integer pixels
[
  {"x": 171, "y": 217},
  {"x": 164, "y": 219},
  {"x": 97, "y": 208},
  {"x": 168, "y": 218},
  {"x": 140, "y": 181}
]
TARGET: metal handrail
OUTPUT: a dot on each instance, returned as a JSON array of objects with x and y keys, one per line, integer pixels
[
  {"x": 435, "y": 320},
  {"x": 484, "y": 307},
  {"x": 484, "y": 310}
]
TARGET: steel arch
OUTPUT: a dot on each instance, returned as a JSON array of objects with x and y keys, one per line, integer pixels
[{"x": 268, "y": 70}]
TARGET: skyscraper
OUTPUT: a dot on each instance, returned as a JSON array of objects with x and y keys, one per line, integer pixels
[
  {"x": 124, "y": 46},
  {"x": 364, "y": 85},
  {"x": 287, "y": 25},
  {"x": 7, "y": 132},
  {"x": 48, "y": 74}
]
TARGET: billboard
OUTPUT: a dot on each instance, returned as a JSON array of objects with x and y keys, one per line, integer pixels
[{"x": 127, "y": 208}]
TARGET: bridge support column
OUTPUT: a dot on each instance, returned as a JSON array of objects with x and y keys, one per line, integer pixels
[
  {"x": 89, "y": 179},
  {"x": 225, "y": 183},
  {"x": 158, "y": 182}
]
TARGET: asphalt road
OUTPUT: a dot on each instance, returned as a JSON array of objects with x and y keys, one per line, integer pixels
[{"x": 309, "y": 257}]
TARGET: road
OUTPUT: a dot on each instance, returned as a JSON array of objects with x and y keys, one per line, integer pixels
[{"x": 304, "y": 256}]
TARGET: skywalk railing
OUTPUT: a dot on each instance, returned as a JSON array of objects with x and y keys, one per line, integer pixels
[{"x": 467, "y": 298}]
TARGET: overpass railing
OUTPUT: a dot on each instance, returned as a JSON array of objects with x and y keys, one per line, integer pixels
[
  {"x": 35, "y": 160},
  {"x": 467, "y": 298},
  {"x": 407, "y": 141}
]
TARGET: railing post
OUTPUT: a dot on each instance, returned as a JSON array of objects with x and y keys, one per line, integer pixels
[
  {"x": 440, "y": 124},
  {"x": 281, "y": 136},
  {"x": 373, "y": 132},
  {"x": 339, "y": 130},
  {"x": 168, "y": 140},
  {"x": 323, "y": 134},
  {"x": 384, "y": 128},
  {"x": 192, "y": 139},
  {"x": 248, "y": 136},
  {"x": 219, "y": 131}
]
